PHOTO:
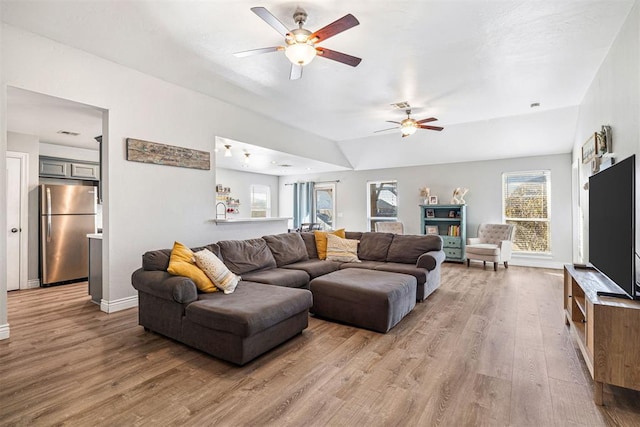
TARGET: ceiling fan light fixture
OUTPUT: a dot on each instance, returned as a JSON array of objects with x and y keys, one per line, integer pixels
[
  {"x": 300, "y": 53},
  {"x": 408, "y": 127},
  {"x": 227, "y": 151}
]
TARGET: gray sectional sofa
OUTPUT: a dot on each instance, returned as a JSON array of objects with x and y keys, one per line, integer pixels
[{"x": 272, "y": 302}]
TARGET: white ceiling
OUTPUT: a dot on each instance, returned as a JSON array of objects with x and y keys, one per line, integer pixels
[{"x": 461, "y": 61}]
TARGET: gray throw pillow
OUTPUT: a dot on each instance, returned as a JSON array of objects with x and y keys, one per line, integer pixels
[{"x": 287, "y": 248}]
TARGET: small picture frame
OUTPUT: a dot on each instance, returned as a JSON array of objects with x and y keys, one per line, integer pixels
[
  {"x": 431, "y": 229},
  {"x": 433, "y": 200},
  {"x": 431, "y": 213},
  {"x": 452, "y": 214}
]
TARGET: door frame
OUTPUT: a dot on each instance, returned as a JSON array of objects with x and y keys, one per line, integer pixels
[{"x": 24, "y": 215}]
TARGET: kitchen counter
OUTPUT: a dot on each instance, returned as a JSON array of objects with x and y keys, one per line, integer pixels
[{"x": 240, "y": 220}]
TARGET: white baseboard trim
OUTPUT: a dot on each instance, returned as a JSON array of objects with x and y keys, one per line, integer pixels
[
  {"x": 33, "y": 283},
  {"x": 119, "y": 304},
  {"x": 4, "y": 331},
  {"x": 537, "y": 262}
]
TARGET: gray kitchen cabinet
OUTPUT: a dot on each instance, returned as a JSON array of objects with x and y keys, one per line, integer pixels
[{"x": 64, "y": 168}]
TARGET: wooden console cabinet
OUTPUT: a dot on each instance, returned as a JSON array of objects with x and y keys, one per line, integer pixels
[{"x": 607, "y": 329}]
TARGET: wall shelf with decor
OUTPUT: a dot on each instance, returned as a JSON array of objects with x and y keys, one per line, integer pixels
[
  {"x": 223, "y": 194},
  {"x": 450, "y": 223}
]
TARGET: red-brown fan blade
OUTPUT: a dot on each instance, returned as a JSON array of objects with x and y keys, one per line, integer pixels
[
  {"x": 336, "y": 27},
  {"x": 271, "y": 20},
  {"x": 296, "y": 72},
  {"x": 430, "y": 119},
  {"x": 384, "y": 130},
  {"x": 257, "y": 51},
  {"x": 338, "y": 56},
  {"x": 438, "y": 128}
]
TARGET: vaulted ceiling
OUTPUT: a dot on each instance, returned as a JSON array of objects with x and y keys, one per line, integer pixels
[{"x": 475, "y": 65}]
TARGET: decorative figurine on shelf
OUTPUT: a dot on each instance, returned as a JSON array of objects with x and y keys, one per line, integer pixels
[
  {"x": 424, "y": 193},
  {"x": 458, "y": 196}
]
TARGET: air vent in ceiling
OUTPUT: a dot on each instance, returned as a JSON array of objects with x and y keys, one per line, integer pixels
[
  {"x": 68, "y": 132},
  {"x": 401, "y": 105}
]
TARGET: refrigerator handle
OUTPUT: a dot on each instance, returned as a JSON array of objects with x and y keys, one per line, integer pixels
[{"x": 48, "y": 214}]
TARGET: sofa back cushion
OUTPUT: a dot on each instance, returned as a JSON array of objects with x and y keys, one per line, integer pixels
[
  {"x": 287, "y": 248},
  {"x": 243, "y": 256},
  {"x": 353, "y": 235},
  {"x": 407, "y": 248},
  {"x": 374, "y": 246},
  {"x": 310, "y": 243},
  {"x": 158, "y": 260}
]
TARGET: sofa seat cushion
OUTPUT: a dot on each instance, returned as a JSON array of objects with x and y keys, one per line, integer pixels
[
  {"x": 314, "y": 267},
  {"x": 279, "y": 277},
  {"x": 485, "y": 249},
  {"x": 252, "y": 308},
  {"x": 287, "y": 248},
  {"x": 407, "y": 248},
  {"x": 369, "y": 265},
  {"x": 395, "y": 267},
  {"x": 243, "y": 256}
]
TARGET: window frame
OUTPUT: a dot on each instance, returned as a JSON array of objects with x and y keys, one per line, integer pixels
[
  {"x": 546, "y": 173},
  {"x": 370, "y": 218},
  {"x": 252, "y": 191}
]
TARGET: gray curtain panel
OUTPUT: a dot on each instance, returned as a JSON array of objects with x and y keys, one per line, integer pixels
[{"x": 302, "y": 203}]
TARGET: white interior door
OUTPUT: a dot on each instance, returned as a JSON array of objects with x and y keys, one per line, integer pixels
[{"x": 16, "y": 220}]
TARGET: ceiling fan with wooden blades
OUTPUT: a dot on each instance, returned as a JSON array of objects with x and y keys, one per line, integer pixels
[
  {"x": 301, "y": 44},
  {"x": 409, "y": 126}
]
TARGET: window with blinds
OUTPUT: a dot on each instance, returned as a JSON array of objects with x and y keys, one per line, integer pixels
[{"x": 526, "y": 203}]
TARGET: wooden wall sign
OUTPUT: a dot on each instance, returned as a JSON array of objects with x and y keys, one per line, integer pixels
[
  {"x": 590, "y": 149},
  {"x": 168, "y": 155}
]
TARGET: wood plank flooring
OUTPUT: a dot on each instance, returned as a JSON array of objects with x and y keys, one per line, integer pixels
[{"x": 487, "y": 348}]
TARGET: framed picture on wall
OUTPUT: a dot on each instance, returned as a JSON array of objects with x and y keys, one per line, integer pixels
[{"x": 431, "y": 229}]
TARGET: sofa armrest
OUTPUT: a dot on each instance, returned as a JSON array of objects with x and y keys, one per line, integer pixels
[
  {"x": 164, "y": 285},
  {"x": 506, "y": 247},
  {"x": 473, "y": 241},
  {"x": 431, "y": 260}
]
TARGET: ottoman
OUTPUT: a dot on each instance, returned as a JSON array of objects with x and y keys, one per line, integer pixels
[
  {"x": 241, "y": 326},
  {"x": 369, "y": 299}
]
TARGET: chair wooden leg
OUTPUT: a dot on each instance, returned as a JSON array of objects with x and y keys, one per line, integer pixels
[
  {"x": 467, "y": 262},
  {"x": 495, "y": 266},
  {"x": 484, "y": 264},
  {"x": 506, "y": 264}
]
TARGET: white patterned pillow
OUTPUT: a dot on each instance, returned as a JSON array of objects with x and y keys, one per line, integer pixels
[
  {"x": 339, "y": 249},
  {"x": 215, "y": 270}
]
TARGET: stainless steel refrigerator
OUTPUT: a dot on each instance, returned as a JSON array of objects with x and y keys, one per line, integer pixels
[{"x": 67, "y": 215}]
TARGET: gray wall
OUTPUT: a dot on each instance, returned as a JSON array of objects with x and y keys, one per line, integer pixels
[
  {"x": 612, "y": 99},
  {"x": 484, "y": 200}
]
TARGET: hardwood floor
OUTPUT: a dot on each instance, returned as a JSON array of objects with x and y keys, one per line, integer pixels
[{"x": 487, "y": 348}]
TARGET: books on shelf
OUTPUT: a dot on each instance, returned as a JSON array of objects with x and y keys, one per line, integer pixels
[{"x": 454, "y": 230}]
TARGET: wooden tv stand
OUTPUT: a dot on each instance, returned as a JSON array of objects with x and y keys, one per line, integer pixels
[{"x": 607, "y": 329}]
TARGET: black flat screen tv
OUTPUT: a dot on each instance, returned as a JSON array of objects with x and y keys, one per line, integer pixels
[{"x": 612, "y": 225}]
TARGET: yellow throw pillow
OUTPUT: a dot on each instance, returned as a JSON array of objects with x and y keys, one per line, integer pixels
[
  {"x": 182, "y": 263},
  {"x": 321, "y": 240},
  {"x": 339, "y": 249},
  {"x": 215, "y": 270}
]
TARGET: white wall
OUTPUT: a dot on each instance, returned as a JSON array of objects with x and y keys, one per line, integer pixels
[
  {"x": 73, "y": 153},
  {"x": 29, "y": 144},
  {"x": 240, "y": 183},
  {"x": 484, "y": 200},
  {"x": 4, "y": 325},
  {"x": 612, "y": 99},
  {"x": 146, "y": 206}
]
